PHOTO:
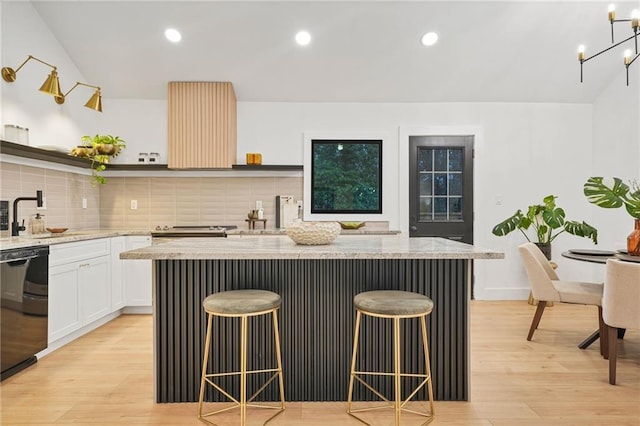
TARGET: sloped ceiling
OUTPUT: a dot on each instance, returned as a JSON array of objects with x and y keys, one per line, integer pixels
[{"x": 361, "y": 51}]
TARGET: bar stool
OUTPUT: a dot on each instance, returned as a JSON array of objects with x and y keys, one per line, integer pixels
[
  {"x": 394, "y": 305},
  {"x": 241, "y": 304}
]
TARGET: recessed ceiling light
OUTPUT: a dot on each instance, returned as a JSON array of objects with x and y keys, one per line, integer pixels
[
  {"x": 303, "y": 38},
  {"x": 173, "y": 35},
  {"x": 429, "y": 39}
]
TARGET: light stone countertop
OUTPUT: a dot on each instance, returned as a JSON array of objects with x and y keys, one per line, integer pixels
[
  {"x": 25, "y": 240},
  {"x": 66, "y": 237},
  {"x": 282, "y": 231},
  {"x": 281, "y": 247}
]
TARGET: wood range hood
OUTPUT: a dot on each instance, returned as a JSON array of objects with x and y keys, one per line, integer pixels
[{"x": 202, "y": 122}]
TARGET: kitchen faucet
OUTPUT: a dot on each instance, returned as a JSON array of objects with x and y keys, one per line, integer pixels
[{"x": 15, "y": 226}]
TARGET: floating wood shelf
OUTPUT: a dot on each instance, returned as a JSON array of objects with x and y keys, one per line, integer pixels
[
  {"x": 267, "y": 167},
  {"x": 25, "y": 151}
]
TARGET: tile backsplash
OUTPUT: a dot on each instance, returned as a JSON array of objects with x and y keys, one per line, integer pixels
[
  {"x": 63, "y": 193},
  {"x": 163, "y": 201},
  {"x": 167, "y": 201}
]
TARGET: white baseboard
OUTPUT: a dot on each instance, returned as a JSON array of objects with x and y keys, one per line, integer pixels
[
  {"x": 137, "y": 310},
  {"x": 52, "y": 346}
]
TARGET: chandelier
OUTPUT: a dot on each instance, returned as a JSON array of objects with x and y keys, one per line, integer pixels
[{"x": 629, "y": 56}]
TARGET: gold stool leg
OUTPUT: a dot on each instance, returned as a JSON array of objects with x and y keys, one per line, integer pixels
[
  {"x": 276, "y": 332},
  {"x": 353, "y": 361},
  {"x": 396, "y": 370},
  {"x": 243, "y": 371},
  {"x": 425, "y": 343},
  {"x": 207, "y": 342}
]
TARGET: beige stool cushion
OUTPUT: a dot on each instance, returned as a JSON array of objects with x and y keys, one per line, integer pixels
[
  {"x": 240, "y": 302},
  {"x": 391, "y": 302}
]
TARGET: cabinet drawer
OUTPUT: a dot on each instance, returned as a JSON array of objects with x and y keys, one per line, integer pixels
[{"x": 61, "y": 254}]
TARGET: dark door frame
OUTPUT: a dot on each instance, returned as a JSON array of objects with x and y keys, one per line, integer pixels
[
  {"x": 456, "y": 230},
  {"x": 403, "y": 162}
]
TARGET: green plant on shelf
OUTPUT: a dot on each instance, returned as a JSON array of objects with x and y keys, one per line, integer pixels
[{"x": 99, "y": 149}]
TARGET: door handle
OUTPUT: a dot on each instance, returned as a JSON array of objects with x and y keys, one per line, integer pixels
[{"x": 413, "y": 228}]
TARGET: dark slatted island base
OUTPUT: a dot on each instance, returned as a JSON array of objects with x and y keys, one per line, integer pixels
[{"x": 317, "y": 285}]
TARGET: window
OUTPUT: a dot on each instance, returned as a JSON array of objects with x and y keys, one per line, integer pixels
[
  {"x": 362, "y": 188},
  {"x": 346, "y": 176}
]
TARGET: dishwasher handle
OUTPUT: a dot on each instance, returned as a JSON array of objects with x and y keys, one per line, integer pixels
[
  {"x": 16, "y": 255},
  {"x": 18, "y": 262}
]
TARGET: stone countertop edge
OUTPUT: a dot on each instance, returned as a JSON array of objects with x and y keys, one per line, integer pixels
[
  {"x": 282, "y": 231},
  {"x": 67, "y": 237},
  {"x": 281, "y": 247},
  {"x": 24, "y": 241}
]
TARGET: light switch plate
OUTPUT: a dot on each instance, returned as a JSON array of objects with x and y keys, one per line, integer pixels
[{"x": 134, "y": 204}]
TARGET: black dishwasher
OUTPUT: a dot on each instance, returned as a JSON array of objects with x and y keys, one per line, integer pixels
[{"x": 24, "y": 307}]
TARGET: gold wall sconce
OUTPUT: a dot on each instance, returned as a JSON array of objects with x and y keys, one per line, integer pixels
[
  {"x": 51, "y": 85},
  {"x": 629, "y": 56},
  {"x": 94, "y": 102}
]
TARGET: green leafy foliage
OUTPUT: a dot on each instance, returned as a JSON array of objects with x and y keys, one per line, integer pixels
[
  {"x": 547, "y": 221},
  {"x": 614, "y": 195},
  {"x": 103, "y": 147},
  {"x": 346, "y": 177}
]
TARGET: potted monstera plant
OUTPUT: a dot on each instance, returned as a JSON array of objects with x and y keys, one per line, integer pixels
[
  {"x": 614, "y": 194},
  {"x": 99, "y": 149},
  {"x": 547, "y": 221}
]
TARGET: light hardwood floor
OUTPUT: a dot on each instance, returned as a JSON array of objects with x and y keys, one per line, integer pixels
[{"x": 105, "y": 378}]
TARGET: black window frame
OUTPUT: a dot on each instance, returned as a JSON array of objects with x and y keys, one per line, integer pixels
[{"x": 317, "y": 142}]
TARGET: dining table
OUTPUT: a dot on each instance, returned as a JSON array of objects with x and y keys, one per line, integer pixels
[{"x": 601, "y": 257}]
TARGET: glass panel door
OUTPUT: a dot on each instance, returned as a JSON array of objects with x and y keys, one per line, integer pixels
[{"x": 441, "y": 187}]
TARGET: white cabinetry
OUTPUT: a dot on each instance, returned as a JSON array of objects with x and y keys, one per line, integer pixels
[
  {"x": 117, "y": 273},
  {"x": 138, "y": 274},
  {"x": 64, "y": 300},
  {"x": 79, "y": 285}
]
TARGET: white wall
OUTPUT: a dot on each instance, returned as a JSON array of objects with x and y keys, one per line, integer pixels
[
  {"x": 24, "y": 34},
  {"x": 141, "y": 123}
]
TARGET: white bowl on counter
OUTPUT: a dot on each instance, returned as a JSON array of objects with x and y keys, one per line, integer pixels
[{"x": 313, "y": 233}]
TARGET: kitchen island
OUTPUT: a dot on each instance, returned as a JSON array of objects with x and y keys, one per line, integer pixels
[{"x": 317, "y": 285}]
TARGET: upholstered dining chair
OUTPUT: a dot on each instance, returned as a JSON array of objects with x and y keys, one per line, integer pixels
[
  {"x": 620, "y": 304},
  {"x": 546, "y": 287}
]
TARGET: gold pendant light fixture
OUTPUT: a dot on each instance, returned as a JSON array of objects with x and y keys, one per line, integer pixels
[
  {"x": 95, "y": 102},
  {"x": 51, "y": 85},
  {"x": 629, "y": 57}
]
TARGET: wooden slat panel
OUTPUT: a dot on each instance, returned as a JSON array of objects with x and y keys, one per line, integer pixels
[{"x": 202, "y": 125}]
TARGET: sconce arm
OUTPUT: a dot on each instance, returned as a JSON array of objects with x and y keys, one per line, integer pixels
[{"x": 60, "y": 99}]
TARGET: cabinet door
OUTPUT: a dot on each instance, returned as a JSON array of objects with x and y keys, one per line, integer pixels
[
  {"x": 64, "y": 312},
  {"x": 138, "y": 274},
  {"x": 95, "y": 288},
  {"x": 117, "y": 274}
]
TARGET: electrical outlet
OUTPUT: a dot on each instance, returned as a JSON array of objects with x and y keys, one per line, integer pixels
[
  {"x": 44, "y": 204},
  {"x": 498, "y": 199},
  {"x": 84, "y": 203},
  {"x": 134, "y": 204}
]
